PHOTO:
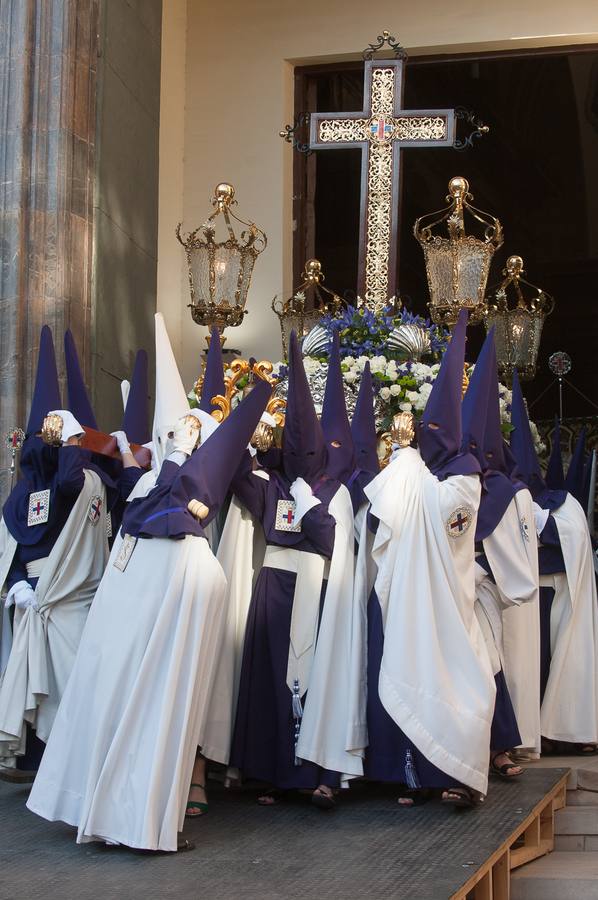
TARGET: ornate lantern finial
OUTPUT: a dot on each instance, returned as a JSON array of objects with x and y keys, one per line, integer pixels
[
  {"x": 517, "y": 329},
  {"x": 294, "y": 313},
  {"x": 220, "y": 271},
  {"x": 457, "y": 266}
]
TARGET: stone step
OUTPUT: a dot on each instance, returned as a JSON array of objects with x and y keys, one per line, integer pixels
[
  {"x": 558, "y": 876},
  {"x": 582, "y": 798},
  {"x": 576, "y": 820}
]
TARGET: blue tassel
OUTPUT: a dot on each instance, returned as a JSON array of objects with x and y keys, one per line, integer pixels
[
  {"x": 297, "y": 715},
  {"x": 411, "y": 779}
]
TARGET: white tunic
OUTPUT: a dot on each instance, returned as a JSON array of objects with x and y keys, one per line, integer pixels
[
  {"x": 46, "y": 639},
  {"x": 435, "y": 681},
  {"x": 570, "y": 705},
  {"x": 119, "y": 761},
  {"x": 508, "y": 611}
]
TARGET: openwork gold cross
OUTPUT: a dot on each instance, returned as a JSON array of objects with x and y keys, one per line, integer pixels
[{"x": 381, "y": 130}]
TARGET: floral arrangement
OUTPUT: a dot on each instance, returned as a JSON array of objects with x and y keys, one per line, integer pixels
[{"x": 365, "y": 333}]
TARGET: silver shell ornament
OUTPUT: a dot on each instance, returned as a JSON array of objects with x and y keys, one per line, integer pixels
[
  {"x": 316, "y": 342},
  {"x": 410, "y": 341}
]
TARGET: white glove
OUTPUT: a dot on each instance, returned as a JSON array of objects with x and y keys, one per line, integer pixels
[
  {"x": 304, "y": 499},
  {"x": 540, "y": 518},
  {"x": 184, "y": 437},
  {"x": 122, "y": 441},
  {"x": 21, "y": 595}
]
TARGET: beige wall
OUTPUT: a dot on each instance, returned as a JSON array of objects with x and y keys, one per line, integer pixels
[{"x": 238, "y": 60}]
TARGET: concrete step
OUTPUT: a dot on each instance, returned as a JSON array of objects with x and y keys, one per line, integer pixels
[
  {"x": 584, "y": 770},
  {"x": 558, "y": 876},
  {"x": 576, "y": 820}
]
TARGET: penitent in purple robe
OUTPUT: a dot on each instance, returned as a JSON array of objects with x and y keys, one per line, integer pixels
[{"x": 263, "y": 744}]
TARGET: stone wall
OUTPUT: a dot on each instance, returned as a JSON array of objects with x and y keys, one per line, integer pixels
[{"x": 126, "y": 196}]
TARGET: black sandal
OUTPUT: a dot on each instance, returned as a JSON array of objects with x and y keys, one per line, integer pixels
[
  {"x": 322, "y": 800},
  {"x": 503, "y": 771},
  {"x": 462, "y": 797}
]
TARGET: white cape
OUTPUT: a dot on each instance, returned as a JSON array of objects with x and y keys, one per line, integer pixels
[
  {"x": 570, "y": 705},
  {"x": 435, "y": 681},
  {"x": 119, "y": 761},
  {"x": 45, "y": 640},
  {"x": 513, "y": 612}
]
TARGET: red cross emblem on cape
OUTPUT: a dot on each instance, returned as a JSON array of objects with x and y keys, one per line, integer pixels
[
  {"x": 39, "y": 508},
  {"x": 95, "y": 509},
  {"x": 285, "y": 516},
  {"x": 459, "y": 521}
]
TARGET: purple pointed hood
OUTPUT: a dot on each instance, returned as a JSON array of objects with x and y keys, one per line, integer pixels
[
  {"x": 555, "y": 477},
  {"x": 38, "y": 462},
  {"x": 135, "y": 419},
  {"x": 474, "y": 409},
  {"x": 482, "y": 435},
  {"x": 335, "y": 422},
  {"x": 205, "y": 476},
  {"x": 527, "y": 467},
  {"x": 574, "y": 482},
  {"x": 303, "y": 448},
  {"x": 439, "y": 432},
  {"x": 46, "y": 393},
  {"x": 522, "y": 444},
  {"x": 363, "y": 426},
  {"x": 79, "y": 403},
  {"x": 213, "y": 380}
]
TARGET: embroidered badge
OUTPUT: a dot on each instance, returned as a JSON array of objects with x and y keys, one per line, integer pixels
[
  {"x": 108, "y": 525},
  {"x": 39, "y": 508},
  {"x": 524, "y": 528},
  {"x": 95, "y": 510},
  {"x": 124, "y": 554},
  {"x": 285, "y": 516},
  {"x": 459, "y": 521}
]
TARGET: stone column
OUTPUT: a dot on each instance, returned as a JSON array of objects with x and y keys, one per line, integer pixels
[{"x": 48, "y": 59}]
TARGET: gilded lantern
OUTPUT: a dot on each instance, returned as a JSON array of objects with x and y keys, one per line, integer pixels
[
  {"x": 220, "y": 270},
  {"x": 518, "y": 326},
  {"x": 457, "y": 265},
  {"x": 302, "y": 312}
]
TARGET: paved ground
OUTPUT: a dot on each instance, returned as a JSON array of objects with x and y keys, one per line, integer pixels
[{"x": 367, "y": 848}]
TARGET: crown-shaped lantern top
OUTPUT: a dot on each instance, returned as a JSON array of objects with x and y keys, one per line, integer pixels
[
  {"x": 220, "y": 270},
  {"x": 457, "y": 266},
  {"x": 517, "y": 325},
  {"x": 300, "y": 314}
]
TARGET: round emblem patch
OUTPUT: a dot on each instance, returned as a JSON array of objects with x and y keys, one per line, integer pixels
[{"x": 459, "y": 521}]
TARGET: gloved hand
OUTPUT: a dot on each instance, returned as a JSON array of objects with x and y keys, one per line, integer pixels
[
  {"x": 304, "y": 498},
  {"x": 184, "y": 436},
  {"x": 21, "y": 595},
  {"x": 540, "y": 518},
  {"x": 122, "y": 441}
]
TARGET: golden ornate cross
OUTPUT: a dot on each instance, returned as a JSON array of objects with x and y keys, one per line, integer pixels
[{"x": 381, "y": 130}]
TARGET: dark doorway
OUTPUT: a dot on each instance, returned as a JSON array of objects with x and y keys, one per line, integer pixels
[{"x": 537, "y": 171}]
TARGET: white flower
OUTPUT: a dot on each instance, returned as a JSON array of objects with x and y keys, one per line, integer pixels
[
  {"x": 349, "y": 361},
  {"x": 406, "y": 406},
  {"x": 412, "y": 396},
  {"x": 350, "y": 377},
  {"x": 385, "y": 393},
  {"x": 420, "y": 402},
  {"x": 395, "y": 390}
]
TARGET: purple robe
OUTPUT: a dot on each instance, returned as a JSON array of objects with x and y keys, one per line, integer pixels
[{"x": 263, "y": 745}]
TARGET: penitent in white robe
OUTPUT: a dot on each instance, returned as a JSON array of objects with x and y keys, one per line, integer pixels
[
  {"x": 119, "y": 761},
  {"x": 45, "y": 640},
  {"x": 435, "y": 681},
  {"x": 570, "y": 704},
  {"x": 508, "y": 611}
]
